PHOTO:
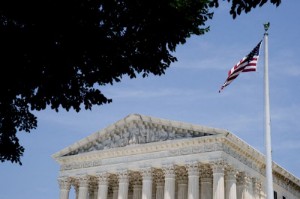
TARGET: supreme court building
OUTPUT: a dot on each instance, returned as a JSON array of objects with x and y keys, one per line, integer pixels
[{"x": 141, "y": 157}]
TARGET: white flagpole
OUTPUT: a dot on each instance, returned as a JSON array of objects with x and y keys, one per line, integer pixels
[{"x": 269, "y": 176}]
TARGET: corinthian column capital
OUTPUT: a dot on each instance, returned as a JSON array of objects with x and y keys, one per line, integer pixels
[
  {"x": 244, "y": 179},
  {"x": 64, "y": 183},
  {"x": 181, "y": 175},
  {"x": 193, "y": 169},
  {"x": 218, "y": 167},
  {"x": 159, "y": 177},
  {"x": 146, "y": 173},
  {"x": 257, "y": 187},
  {"x": 205, "y": 171},
  {"x": 102, "y": 178},
  {"x": 231, "y": 173},
  {"x": 169, "y": 171},
  {"x": 257, "y": 184},
  {"x": 83, "y": 181},
  {"x": 123, "y": 176}
]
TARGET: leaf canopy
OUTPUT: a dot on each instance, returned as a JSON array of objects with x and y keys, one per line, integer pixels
[{"x": 54, "y": 53}]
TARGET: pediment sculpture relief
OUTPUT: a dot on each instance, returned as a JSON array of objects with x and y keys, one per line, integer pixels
[{"x": 136, "y": 133}]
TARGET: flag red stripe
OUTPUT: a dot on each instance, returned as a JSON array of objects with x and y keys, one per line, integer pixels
[{"x": 247, "y": 64}]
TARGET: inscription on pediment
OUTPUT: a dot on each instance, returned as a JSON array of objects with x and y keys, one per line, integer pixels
[{"x": 136, "y": 133}]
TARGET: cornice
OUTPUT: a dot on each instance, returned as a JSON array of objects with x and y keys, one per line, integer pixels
[
  {"x": 253, "y": 156},
  {"x": 169, "y": 145}
]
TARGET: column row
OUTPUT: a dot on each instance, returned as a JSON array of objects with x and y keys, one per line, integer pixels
[{"x": 192, "y": 182}]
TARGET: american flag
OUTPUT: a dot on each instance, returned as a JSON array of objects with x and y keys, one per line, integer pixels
[{"x": 247, "y": 64}]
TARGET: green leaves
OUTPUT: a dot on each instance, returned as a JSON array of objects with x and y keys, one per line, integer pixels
[{"x": 54, "y": 52}]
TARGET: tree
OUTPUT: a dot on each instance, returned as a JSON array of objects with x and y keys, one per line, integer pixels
[{"x": 54, "y": 53}]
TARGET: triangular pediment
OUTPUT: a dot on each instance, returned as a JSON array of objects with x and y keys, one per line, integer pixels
[{"x": 136, "y": 129}]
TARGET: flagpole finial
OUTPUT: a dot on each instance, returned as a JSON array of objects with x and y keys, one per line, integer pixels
[{"x": 266, "y": 26}]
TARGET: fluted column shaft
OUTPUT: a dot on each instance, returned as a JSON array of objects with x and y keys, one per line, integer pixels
[
  {"x": 159, "y": 190},
  {"x": 169, "y": 192},
  {"x": 137, "y": 191},
  {"x": 115, "y": 192},
  {"x": 230, "y": 189},
  {"x": 244, "y": 187},
  {"x": 96, "y": 193},
  {"x": 256, "y": 189},
  {"x": 83, "y": 188},
  {"x": 218, "y": 181},
  {"x": 64, "y": 186},
  {"x": 250, "y": 188},
  {"x": 206, "y": 188},
  {"x": 123, "y": 185},
  {"x": 102, "y": 186},
  {"x": 182, "y": 189},
  {"x": 76, "y": 191},
  {"x": 193, "y": 181},
  {"x": 93, "y": 190},
  {"x": 147, "y": 183}
]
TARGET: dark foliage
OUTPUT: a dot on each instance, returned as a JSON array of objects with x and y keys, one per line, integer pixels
[{"x": 55, "y": 52}]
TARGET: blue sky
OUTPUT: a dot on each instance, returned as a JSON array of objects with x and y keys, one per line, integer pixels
[{"x": 188, "y": 92}]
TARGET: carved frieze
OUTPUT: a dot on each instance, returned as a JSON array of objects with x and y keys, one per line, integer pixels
[{"x": 78, "y": 165}]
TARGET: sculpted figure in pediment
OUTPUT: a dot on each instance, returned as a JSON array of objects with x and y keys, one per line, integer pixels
[
  {"x": 134, "y": 136},
  {"x": 163, "y": 135},
  {"x": 99, "y": 145},
  {"x": 125, "y": 138},
  {"x": 107, "y": 142},
  {"x": 152, "y": 135},
  {"x": 171, "y": 134}
]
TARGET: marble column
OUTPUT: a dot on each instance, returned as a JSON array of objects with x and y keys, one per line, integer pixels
[
  {"x": 243, "y": 186},
  {"x": 230, "y": 184},
  {"x": 182, "y": 188},
  {"x": 115, "y": 190},
  {"x": 169, "y": 173},
  {"x": 206, "y": 183},
  {"x": 64, "y": 186},
  {"x": 159, "y": 186},
  {"x": 102, "y": 186},
  {"x": 250, "y": 188},
  {"x": 193, "y": 181},
  {"x": 147, "y": 183},
  {"x": 256, "y": 188},
  {"x": 93, "y": 190},
  {"x": 76, "y": 187},
  {"x": 96, "y": 192},
  {"x": 218, "y": 180},
  {"x": 137, "y": 191},
  {"x": 83, "y": 187},
  {"x": 123, "y": 185}
]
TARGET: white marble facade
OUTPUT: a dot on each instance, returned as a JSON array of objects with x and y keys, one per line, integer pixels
[{"x": 141, "y": 157}]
